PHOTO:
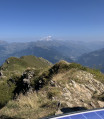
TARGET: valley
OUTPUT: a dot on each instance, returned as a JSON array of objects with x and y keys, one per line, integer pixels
[{"x": 54, "y": 50}]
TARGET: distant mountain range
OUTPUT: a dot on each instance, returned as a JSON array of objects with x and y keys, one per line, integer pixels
[
  {"x": 50, "y": 49},
  {"x": 93, "y": 59}
]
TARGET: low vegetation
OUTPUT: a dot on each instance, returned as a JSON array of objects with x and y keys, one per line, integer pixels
[
  {"x": 6, "y": 93},
  {"x": 48, "y": 84}
]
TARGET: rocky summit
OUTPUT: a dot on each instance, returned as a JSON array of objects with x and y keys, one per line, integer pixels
[{"x": 43, "y": 89}]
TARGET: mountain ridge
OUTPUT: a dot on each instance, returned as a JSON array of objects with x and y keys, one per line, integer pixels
[
  {"x": 93, "y": 59},
  {"x": 52, "y": 50},
  {"x": 39, "y": 90}
]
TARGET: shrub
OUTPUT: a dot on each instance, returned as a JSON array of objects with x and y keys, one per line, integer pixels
[
  {"x": 53, "y": 92},
  {"x": 98, "y": 75},
  {"x": 77, "y": 66},
  {"x": 6, "y": 93}
]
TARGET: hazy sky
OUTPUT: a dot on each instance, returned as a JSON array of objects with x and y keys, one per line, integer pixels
[{"x": 28, "y": 19}]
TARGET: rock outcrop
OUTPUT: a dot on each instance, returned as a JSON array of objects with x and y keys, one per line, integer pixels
[{"x": 80, "y": 90}]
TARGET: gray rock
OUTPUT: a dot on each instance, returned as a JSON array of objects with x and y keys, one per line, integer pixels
[
  {"x": 52, "y": 83},
  {"x": 1, "y": 73}
]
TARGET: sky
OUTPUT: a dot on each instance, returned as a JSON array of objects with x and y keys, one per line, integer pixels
[{"x": 28, "y": 20}]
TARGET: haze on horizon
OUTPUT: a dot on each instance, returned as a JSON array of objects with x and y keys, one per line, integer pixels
[{"x": 29, "y": 20}]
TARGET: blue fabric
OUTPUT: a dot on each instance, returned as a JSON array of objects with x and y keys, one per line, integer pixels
[
  {"x": 85, "y": 115},
  {"x": 91, "y": 115},
  {"x": 79, "y": 116},
  {"x": 101, "y": 113}
]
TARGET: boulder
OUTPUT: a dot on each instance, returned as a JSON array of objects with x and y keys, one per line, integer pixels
[
  {"x": 1, "y": 73},
  {"x": 52, "y": 83}
]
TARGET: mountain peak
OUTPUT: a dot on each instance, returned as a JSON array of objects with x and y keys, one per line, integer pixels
[{"x": 47, "y": 38}]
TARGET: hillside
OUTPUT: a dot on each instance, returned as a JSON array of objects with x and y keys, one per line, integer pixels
[
  {"x": 36, "y": 92},
  {"x": 12, "y": 70},
  {"x": 93, "y": 59},
  {"x": 24, "y": 62}
]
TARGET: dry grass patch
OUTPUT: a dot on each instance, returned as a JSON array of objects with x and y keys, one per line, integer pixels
[
  {"x": 29, "y": 106},
  {"x": 24, "y": 105},
  {"x": 58, "y": 77},
  {"x": 29, "y": 100}
]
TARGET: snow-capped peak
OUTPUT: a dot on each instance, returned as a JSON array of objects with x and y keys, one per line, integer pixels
[{"x": 48, "y": 38}]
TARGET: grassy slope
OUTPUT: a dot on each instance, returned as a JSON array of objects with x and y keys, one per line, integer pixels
[
  {"x": 36, "y": 106},
  {"x": 24, "y": 62},
  {"x": 16, "y": 66},
  {"x": 14, "y": 69}
]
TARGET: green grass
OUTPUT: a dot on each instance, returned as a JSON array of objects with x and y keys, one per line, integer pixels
[
  {"x": 24, "y": 62},
  {"x": 6, "y": 93},
  {"x": 33, "y": 61}
]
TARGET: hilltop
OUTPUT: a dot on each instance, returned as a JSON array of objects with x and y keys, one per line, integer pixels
[
  {"x": 36, "y": 93},
  {"x": 14, "y": 63}
]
